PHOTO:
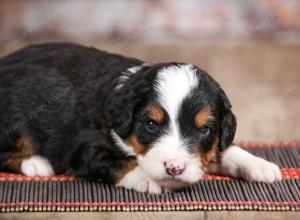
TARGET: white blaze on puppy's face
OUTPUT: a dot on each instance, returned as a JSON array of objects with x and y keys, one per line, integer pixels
[{"x": 174, "y": 83}]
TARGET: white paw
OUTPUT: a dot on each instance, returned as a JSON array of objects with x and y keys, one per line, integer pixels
[
  {"x": 262, "y": 171},
  {"x": 36, "y": 166},
  {"x": 153, "y": 187},
  {"x": 138, "y": 181},
  {"x": 237, "y": 162}
]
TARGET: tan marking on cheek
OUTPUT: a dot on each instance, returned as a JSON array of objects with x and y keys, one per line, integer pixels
[
  {"x": 125, "y": 170},
  {"x": 156, "y": 113},
  {"x": 24, "y": 150},
  {"x": 137, "y": 146},
  {"x": 202, "y": 117},
  {"x": 207, "y": 157}
]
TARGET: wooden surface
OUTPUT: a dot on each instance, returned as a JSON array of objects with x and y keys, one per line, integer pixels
[{"x": 212, "y": 215}]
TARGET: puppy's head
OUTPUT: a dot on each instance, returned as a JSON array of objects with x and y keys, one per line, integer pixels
[{"x": 174, "y": 118}]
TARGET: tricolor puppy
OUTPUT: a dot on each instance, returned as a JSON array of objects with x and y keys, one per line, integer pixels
[{"x": 75, "y": 110}]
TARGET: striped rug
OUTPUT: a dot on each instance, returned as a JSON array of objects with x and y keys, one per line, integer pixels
[{"x": 63, "y": 193}]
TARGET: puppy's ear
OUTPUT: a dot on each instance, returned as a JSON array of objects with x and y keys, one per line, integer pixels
[
  {"x": 125, "y": 103},
  {"x": 123, "y": 113},
  {"x": 228, "y": 124}
]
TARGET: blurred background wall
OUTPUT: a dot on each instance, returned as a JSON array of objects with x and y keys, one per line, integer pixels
[{"x": 251, "y": 47}]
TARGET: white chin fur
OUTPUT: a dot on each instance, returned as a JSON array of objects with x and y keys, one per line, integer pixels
[{"x": 36, "y": 166}]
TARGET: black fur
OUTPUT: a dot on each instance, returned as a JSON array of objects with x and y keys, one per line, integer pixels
[{"x": 62, "y": 97}]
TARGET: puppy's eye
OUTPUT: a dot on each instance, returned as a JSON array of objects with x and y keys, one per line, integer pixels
[
  {"x": 151, "y": 126},
  {"x": 205, "y": 130}
]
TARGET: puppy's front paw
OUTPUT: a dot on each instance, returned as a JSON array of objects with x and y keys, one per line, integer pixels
[
  {"x": 262, "y": 171},
  {"x": 138, "y": 181},
  {"x": 237, "y": 162}
]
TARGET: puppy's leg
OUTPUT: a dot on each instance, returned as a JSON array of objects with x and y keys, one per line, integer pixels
[
  {"x": 36, "y": 165},
  {"x": 18, "y": 155},
  {"x": 96, "y": 161},
  {"x": 239, "y": 163},
  {"x": 137, "y": 180}
]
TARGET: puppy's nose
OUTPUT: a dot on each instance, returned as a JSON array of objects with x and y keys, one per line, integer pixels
[{"x": 174, "y": 168}]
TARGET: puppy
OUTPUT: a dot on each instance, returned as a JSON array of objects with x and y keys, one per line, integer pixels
[{"x": 75, "y": 110}]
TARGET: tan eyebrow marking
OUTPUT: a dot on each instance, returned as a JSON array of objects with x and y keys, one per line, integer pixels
[
  {"x": 156, "y": 113},
  {"x": 202, "y": 117}
]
